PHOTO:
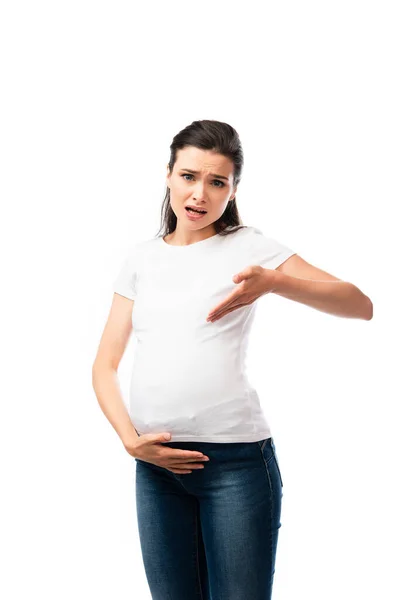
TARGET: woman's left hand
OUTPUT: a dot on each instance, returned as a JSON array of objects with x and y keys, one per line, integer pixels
[{"x": 254, "y": 281}]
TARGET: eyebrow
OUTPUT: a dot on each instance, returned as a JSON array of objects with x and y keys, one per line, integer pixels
[{"x": 212, "y": 174}]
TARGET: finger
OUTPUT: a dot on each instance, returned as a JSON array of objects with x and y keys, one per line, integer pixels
[
  {"x": 186, "y": 466},
  {"x": 225, "y": 312},
  {"x": 179, "y": 471},
  {"x": 232, "y": 297},
  {"x": 185, "y": 455},
  {"x": 221, "y": 307}
]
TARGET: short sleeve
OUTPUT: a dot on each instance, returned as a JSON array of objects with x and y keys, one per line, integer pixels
[
  {"x": 125, "y": 281},
  {"x": 266, "y": 251}
]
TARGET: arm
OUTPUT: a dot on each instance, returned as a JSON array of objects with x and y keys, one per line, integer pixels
[
  {"x": 105, "y": 369},
  {"x": 298, "y": 280}
]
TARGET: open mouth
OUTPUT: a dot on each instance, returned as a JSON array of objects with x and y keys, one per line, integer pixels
[{"x": 195, "y": 211}]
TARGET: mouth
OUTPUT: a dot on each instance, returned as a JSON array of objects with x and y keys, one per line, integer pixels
[
  {"x": 194, "y": 214},
  {"x": 193, "y": 210}
]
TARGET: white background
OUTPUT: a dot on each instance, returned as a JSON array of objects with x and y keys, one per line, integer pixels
[{"x": 92, "y": 94}]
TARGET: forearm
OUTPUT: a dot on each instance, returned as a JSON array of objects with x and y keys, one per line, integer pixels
[
  {"x": 339, "y": 298},
  {"x": 106, "y": 386}
]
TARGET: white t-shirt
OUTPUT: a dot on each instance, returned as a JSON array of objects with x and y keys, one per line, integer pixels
[{"x": 189, "y": 375}]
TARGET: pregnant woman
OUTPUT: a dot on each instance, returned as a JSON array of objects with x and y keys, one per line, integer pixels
[{"x": 208, "y": 482}]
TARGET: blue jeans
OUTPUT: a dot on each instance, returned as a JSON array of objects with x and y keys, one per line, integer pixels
[{"x": 211, "y": 534}]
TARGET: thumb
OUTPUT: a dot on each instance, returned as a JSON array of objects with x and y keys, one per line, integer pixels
[
  {"x": 238, "y": 277},
  {"x": 162, "y": 437},
  {"x": 245, "y": 273}
]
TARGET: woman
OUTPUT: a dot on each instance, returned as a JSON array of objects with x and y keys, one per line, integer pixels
[{"x": 209, "y": 499}]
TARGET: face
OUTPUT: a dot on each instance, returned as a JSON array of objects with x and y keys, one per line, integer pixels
[{"x": 209, "y": 189}]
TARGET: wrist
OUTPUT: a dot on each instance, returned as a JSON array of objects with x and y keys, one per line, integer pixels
[
  {"x": 130, "y": 442},
  {"x": 274, "y": 280}
]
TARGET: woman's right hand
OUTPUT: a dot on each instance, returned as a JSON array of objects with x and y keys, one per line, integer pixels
[{"x": 149, "y": 447}]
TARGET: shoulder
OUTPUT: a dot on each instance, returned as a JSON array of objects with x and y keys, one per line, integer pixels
[
  {"x": 245, "y": 231},
  {"x": 257, "y": 237},
  {"x": 239, "y": 233},
  {"x": 137, "y": 250},
  {"x": 249, "y": 235}
]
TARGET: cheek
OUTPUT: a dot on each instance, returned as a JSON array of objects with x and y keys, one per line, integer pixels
[
  {"x": 221, "y": 207},
  {"x": 177, "y": 201},
  {"x": 177, "y": 190}
]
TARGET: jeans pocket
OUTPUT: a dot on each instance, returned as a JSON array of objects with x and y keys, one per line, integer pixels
[
  {"x": 266, "y": 449},
  {"x": 276, "y": 460},
  {"x": 262, "y": 443}
]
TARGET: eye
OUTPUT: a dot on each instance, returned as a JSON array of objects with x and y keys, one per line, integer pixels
[{"x": 190, "y": 175}]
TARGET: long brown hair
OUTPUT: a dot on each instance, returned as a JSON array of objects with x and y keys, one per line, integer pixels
[{"x": 222, "y": 139}]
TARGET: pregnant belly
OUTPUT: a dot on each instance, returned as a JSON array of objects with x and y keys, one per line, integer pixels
[
  {"x": 187, "y": 370},
  {"x": 185, "y": 382}
]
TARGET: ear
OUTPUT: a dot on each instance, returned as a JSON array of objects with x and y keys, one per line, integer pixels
[{"x": 168, "y": 174}]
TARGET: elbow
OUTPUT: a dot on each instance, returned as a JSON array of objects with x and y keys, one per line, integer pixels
[
  {"x": 94, "y": 373},
  {"x": 95, "y": 367},
  {"x": 370, "y": 311},
  {"x": 97, "y": 370},
  {"x": 103, "y": 366}
]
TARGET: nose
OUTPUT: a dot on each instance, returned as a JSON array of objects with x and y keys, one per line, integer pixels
[{"x": 199, "y": 192}]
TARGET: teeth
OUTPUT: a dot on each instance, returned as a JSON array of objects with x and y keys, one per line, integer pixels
[{"x": 196, "y": 211}]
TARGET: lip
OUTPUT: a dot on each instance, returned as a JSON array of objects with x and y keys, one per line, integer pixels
[
  {"x": 195, "y": 207},
  {"x": 194, "y": 217}
]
